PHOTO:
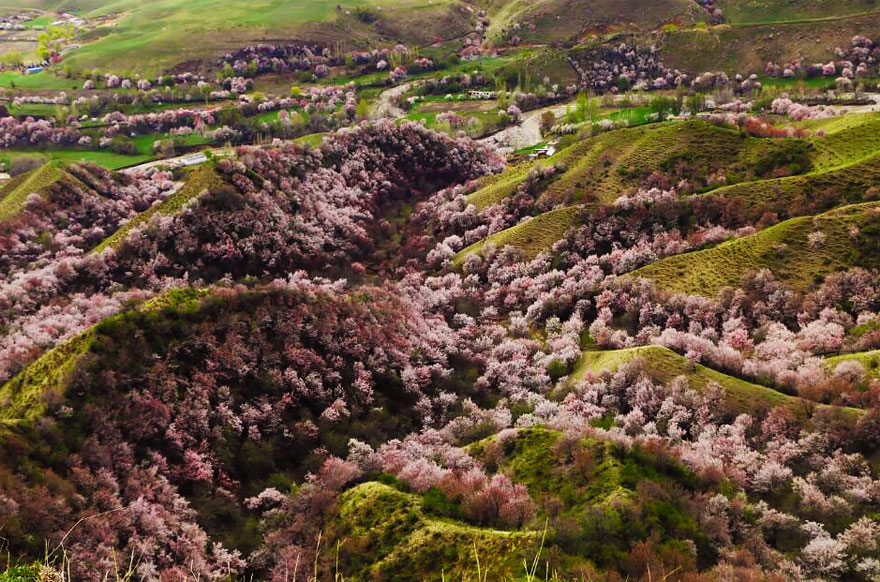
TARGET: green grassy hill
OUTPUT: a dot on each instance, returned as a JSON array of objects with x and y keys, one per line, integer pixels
[
  {"x": 601, "y": 168},
  {"x": 746, "y": 11},
  {"x": 832, "y": 169},
  {"x": 844, "y": 184},
  {"x": 850, "y": 241},
  {"x": 746, "y": 48},
  {"x": 407, "y": 542},
  {"x": 662, "y": 364},
  {"x": 198, "y": 182},
  {"x": 152, "y": 36},
  {"x": 15, "y": 192},
  {"x": 847, "y": 139}
]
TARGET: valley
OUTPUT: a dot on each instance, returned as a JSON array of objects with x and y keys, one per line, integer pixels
[{"x": 430, "y": 290}]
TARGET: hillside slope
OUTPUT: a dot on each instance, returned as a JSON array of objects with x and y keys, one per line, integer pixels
[
  {"x": 846, "y": 239},
  {"x": 155, "y": 36}
]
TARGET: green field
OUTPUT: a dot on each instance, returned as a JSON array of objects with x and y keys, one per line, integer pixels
[
  {"x": 40, "y": 21},
  {"x": 45, "y": 80},
  {"x": 103, "y": 158},
  {"x": 144, "y": 143}
]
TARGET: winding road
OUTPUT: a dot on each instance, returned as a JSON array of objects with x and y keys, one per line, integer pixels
[{"x": 524, "y": 134}]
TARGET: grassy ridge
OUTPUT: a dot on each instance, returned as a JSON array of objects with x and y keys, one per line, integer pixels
[
  {"x": 198, "y": 182},
  {"x": 403, "y": 538},
  {"x": 12, "y": 184},
  {"x": 531, "y": 237},
  {"x": 25, "y": 396},
  {"x": 663, "y": 365},
  {"x": 14, "y": 198},
  {"x": 783, "y": 248}
]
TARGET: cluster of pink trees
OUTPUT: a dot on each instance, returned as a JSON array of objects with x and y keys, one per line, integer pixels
[
  {"x": 59, "y": 99},
  {"x": 255, "y": 60},
  {"x": 79, "y": 214},
  {"x": 719, "y": 80},
  {"x": 622, "y": 67},
  {"x": 856, "y": 60},
  {"x": 318, "y": 99},
  {"x": 310, "y": 359},
  {"x": 121, "y": 124},
  {"x": 799, "y": 111},
  {"x": 290, "y": 208},
  {"x": 34, "y": 131},
  {"x": 226, "y": 397},
  {"x": 759, "y": 127}
]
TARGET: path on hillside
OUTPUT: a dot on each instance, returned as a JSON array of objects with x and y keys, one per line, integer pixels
[
  {"x": 871, "y": 108},
  {"x": 386, "y": 105},
  {"x": 526, "y": 133}
]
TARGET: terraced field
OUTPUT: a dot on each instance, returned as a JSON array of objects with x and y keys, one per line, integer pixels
[
  {"x": 844, "y": 184},
  {"x": 496, "y": 187}
]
